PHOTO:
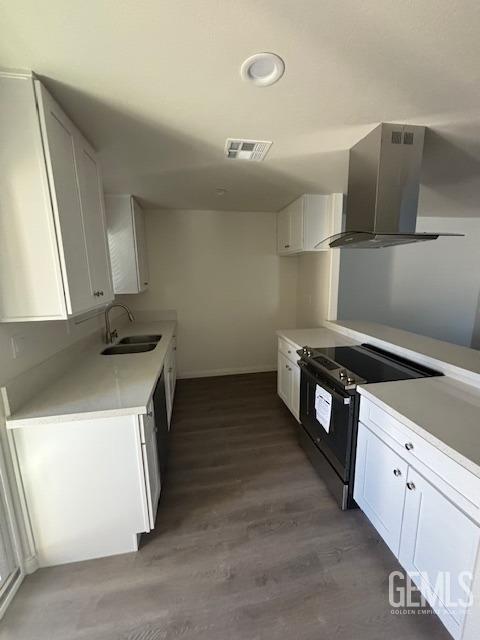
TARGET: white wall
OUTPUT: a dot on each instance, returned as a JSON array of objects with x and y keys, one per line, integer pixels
[
  {"x": 220, "y": 271},
  {"x": 430, "y": 288},
  {"x": 313, "y": 289}
]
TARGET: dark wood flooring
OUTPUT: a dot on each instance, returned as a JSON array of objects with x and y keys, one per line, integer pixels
[{"x": 249, "y": 545}]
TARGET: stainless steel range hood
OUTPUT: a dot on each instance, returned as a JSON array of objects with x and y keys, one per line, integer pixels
[{"x": 383, "y": 186}]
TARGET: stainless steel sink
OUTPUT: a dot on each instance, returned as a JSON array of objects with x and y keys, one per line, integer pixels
[
  {"x": 119, "y": 349},
  {"x": 140, "y": 339}
]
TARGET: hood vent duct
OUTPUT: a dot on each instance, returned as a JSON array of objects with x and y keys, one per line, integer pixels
[{"x": 383, "y": 187}]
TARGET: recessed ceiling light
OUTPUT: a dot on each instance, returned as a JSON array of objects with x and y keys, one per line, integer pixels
[
  {"x": 220, "y": 191},
  {"x": 263, "y": 69}
]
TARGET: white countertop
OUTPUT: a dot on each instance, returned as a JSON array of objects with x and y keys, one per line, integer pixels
[
  {"x": 445, "y": 412},
  {"x": 318, "y": 337},
  {"x": 101, "y": 386}
]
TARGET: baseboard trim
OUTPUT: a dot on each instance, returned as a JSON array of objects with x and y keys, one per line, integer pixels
[{"x": 210, "y": 373}]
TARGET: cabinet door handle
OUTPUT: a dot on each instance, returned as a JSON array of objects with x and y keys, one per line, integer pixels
[
  {"x": 96, "y": 293},
  {"x": 411, "y": 486},
  {"x": 286, "y": 246},
  {"x": 408, "y": 446},
  {"x": 397, "y": 472},
  {"x": 145, "y": 283}
]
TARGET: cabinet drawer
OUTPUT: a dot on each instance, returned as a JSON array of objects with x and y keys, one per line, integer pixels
[
  {"x": 288, "y": 350},
  {"x": 147, "y": 423},
  {"x": 462, "y": 486}
]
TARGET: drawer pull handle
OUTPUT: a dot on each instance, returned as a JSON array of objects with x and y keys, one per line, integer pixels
[
  {"x": 397, "y": 472},
  {"x": 410, "y": 486},
  {"x": 408, "y": 446}
]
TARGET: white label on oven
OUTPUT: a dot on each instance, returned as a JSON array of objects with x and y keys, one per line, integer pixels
[{"x": 323, "y": 407}]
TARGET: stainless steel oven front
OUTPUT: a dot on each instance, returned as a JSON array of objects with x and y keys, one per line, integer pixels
[{"x": 330, "y": 447}]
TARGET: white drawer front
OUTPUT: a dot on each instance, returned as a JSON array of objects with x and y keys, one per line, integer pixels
[
  {"x": 462, "y": 486},
  {"x": 288, "y": 350}
]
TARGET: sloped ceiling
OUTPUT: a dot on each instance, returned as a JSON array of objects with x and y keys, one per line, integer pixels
[{"x": 155, "y": 85}]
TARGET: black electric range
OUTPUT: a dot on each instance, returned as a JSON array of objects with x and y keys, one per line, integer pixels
[{"x": 329, "y": 405}]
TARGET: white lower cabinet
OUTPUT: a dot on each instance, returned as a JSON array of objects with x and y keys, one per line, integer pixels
[
  {"x": 288, "y": 377},
  {"x": 380, "y": 485},
  {"x": 91, "y": 486},
  {"x": 438, "y": 549},
  {"x": 422, "y": 516}
]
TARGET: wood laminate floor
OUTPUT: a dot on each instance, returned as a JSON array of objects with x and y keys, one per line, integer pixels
[{"x": 249, "y": 545}]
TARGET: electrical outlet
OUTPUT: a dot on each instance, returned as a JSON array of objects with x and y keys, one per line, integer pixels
[{"x": 19, "y": 344}]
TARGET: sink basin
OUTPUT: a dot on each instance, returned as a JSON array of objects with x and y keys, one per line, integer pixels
[
  {"x": 118, "y": 349},
  {"x": 139, "y": 339}
]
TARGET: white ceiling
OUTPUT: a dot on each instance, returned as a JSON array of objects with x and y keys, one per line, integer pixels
[{"x": 155, "y": 85}]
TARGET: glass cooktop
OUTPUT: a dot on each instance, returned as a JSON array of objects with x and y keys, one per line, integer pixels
[{"x": 371, "y": 363}]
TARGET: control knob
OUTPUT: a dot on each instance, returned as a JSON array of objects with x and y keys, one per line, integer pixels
[
  {"x": 342, "y": 373},
  {"x": 350, "y": 380}
]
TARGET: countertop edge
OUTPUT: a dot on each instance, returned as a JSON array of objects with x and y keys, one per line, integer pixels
[
  {"x": 13, "y": 423},
  {"x": 457, "y": 457}
]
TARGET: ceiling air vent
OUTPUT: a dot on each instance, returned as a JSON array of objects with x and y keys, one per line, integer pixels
[{"x": 246, "y": 149}]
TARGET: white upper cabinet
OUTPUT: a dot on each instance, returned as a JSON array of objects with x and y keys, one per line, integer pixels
[
  {"x": 53, "y": 252},
  {"x": 91, "y": 195},
  {"x": 307, "y": 221},
  {"x": 126, "y": 238}
]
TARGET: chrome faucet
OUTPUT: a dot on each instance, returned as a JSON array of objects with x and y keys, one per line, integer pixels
[{"x": 109, "y": 334}]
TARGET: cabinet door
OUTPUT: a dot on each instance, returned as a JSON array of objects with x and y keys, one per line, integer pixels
[
  {"x": 283, "y": 232},
  {"x": 151, "y": 467},
  {"x": 59, "y": 136},
  {"x": 439, "y": 543},
  {"x": 379, "y": 489},
  {"x": 140, "y": 246},
  {"x": 296, "y": 225},
  {"x": 284, "y": 380},
  {"x": 91, "y": 194}
]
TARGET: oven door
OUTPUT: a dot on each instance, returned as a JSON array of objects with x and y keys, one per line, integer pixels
[{"x": 336, "y": 444}]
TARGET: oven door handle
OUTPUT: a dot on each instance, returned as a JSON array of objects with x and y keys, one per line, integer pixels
[{"x": 334, "y": 394}]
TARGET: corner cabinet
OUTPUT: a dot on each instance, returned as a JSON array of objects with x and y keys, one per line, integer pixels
[
  {"x": 306, "y": 222},
  {"x": 126, "y": 239},
  {"x": 288, "y": 376},
  {"x": 427, "y": 509},
  {"x": 54, "y": 260}
]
